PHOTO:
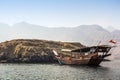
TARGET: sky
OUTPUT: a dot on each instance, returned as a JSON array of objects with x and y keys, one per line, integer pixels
[{"x": 61, "y": 13}]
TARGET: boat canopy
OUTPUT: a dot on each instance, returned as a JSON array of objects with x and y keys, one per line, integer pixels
[{"x": 92, "y": 49}]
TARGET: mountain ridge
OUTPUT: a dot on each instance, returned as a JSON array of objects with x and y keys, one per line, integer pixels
[{"x": 27, "y": 30}]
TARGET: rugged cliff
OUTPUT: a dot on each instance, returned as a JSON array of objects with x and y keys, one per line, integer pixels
[{"x": 29, "y": 50}]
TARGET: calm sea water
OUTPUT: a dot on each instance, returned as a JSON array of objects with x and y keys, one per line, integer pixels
[{"x": 107, "y": 71}]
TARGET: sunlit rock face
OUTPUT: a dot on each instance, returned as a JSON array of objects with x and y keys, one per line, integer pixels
[{"x": 29, "y": 50}]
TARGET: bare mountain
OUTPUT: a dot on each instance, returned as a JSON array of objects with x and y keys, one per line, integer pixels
[
  {"x": 87, "y": 34},
  {"x": 92, "y": 34}
]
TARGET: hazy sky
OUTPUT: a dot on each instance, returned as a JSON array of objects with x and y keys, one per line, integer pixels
[{"x": 57, "y": 13}]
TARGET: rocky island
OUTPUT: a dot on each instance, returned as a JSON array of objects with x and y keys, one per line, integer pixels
[{"x": 33, "y": 50}]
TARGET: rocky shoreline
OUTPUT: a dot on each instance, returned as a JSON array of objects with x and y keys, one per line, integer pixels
[{"x": 32, "y": 50}]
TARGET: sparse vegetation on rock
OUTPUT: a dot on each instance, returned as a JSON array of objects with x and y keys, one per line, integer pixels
[{"x": 32, "y": 51}]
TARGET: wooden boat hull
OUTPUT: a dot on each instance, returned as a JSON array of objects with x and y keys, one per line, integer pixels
[
  {"x": 81, "y": 62},
  {"x": 88, "y": 60}
]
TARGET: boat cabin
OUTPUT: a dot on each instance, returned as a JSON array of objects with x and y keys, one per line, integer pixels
[{"x": 99, "y": 50}]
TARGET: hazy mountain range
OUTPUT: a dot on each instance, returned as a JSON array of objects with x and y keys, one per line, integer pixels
[{"x": 86, "y": 34}]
